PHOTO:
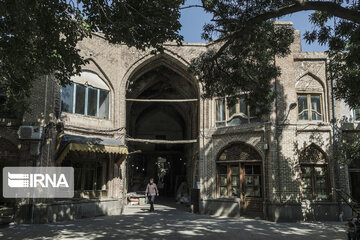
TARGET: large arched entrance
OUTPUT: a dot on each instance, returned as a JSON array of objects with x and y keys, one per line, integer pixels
[{"x": 162, "y": 122}]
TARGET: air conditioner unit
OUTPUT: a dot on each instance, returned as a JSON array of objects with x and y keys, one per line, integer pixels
[{"x": 30, "y": 132}]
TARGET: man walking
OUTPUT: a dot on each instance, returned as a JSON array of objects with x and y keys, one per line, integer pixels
[{"x": 151, "y": 192}]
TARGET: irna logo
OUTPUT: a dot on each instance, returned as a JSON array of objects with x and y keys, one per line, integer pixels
[
  {"x": 18, "y": 180},
  {"x": 38, "y": 182}
]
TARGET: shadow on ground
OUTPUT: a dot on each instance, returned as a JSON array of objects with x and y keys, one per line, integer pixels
[{"x": 171, "y": 223}]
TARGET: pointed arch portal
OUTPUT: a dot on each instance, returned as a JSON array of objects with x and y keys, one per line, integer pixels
[{"x": 162, "y": 109}]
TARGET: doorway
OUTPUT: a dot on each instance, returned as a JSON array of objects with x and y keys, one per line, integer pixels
[
  {"x": 239, "y": 176},
  {"x": 354, "y": 178},
  {"x": 162, "y": 126}
]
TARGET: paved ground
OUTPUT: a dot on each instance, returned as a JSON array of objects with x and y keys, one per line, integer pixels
[{"x": 171, "y": 223}]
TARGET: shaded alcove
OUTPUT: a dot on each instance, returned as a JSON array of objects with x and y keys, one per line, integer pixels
[{"x": 162, "y": 106}]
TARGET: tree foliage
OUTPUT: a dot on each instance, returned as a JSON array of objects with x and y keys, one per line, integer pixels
[
  {"x": 246, "y": 66},
  {"x": 349, "y": 152},
  {"x": 139, "y": 23},
  {"x": 239, "y": 25},
  {"x": 39, "y": 37},
  {"x": 343, "y": 38}
]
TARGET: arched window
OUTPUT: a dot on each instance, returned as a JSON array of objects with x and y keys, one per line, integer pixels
[
  {"x": 310, "y": 94},
  {"x": 314, "y": 174},
  {"x": 86, "y": 95},
  {"x": 239, "y": 172}
]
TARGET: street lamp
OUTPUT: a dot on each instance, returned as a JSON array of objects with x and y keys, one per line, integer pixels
[{"x": 291, "y": 107}]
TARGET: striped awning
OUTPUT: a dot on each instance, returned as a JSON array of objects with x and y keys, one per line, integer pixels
[{"x": 67, "y": 143}]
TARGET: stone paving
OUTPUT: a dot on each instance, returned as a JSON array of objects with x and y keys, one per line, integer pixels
[{"x": 168, "y": 222}]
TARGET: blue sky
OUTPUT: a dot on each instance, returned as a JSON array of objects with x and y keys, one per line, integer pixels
[{"x": 193, "y": 19}]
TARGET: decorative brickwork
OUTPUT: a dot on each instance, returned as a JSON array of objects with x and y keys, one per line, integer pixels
[{"x": 278, "y": 139}]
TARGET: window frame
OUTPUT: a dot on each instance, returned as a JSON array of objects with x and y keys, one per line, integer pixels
[
  {"x": 354, "y": 112},
  {"x": 85, "y": 181},
  {"x": 238, "y": 113},
  {"x": 309, "y": 109},
  {"x": 229, "y": 176},
  {"x": 253, "y": 175},
  {"x": 313, "y": 181},
  {"x": 86, "y": 99},
  {"x": 242, "y": 178}
]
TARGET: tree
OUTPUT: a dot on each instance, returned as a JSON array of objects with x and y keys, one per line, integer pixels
[
  {"x": 349, "y": 152},
  {"x": 39, "y": 37},
  {"x": 245, "y": 66},
  {"x": 248, "y": 42}
]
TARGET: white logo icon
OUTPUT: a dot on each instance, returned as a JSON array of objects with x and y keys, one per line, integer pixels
[
  {"x": 38, "y": 182},
  {"x": 19, "y": 180}
]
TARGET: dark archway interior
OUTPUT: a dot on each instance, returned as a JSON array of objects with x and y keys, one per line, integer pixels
[{"x": 169, "y": 164}]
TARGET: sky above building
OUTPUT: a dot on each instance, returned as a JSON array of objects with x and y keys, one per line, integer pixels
[{"x": 193, "y": 20}]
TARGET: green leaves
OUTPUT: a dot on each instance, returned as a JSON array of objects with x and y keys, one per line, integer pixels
[
  {"x": 138, "y": 23},
  {"x": 349, "y": 152},
  {"x": 343, "y": 38},
  {"x": 37, "y": 38},
  {"x": 247, "y": 44},
  {"x": 40, "y": 38},
  {"x": 246, "y": 66}
]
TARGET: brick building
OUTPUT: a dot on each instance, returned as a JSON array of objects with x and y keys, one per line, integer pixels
[{"x": 132, "y": 115}]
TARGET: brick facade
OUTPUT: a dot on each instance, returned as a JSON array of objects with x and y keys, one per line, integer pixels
[{"x": 276, "y": 139}]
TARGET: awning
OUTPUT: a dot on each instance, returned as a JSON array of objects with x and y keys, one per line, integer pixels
[{"x": 68, "y": 143}]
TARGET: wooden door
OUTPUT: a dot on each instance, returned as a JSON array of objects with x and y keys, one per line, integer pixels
[{"x": 252, "y": 191}]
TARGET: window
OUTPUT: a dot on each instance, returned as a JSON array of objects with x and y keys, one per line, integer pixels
[
  {"x": 310, "y": 107},
  {"x": 80, "y": 95},
  {"x": 239, "y": 172},
  {"x": 92, "y": 101},
  {"x": 313, "y": 179},
  {"x": 357, "y": 114},
  {"x": 104, "y": 103},
  {"x": 85, "y": 100},
  {"x": 236, "y": 114},
  {"x": 67, "y": 95},
  {"x": 252, "y": 180},
  {"x": 229, "y": 180},
  {"x": 220, "y": 112},
  {"x": 314, "y": 174},
  {"x": 89, "y": 175}
]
